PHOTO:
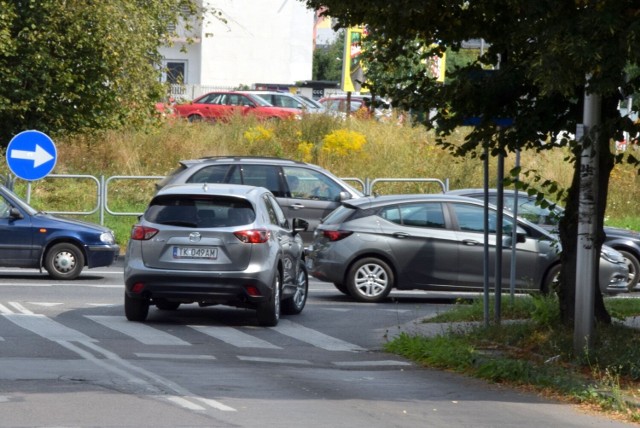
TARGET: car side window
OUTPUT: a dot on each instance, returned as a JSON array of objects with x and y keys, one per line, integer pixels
[
  {"x": 310, "y": 184},
  {"x": 210, "y": 174},
  {"x": 471, "y": 219},
  {"x": 416, "y": 215},
  {"x": 5, "y": 206},
  {"x": 267, "y": 176}
]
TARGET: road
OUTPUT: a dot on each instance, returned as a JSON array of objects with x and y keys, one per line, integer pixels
[{"x": 69, "y": 358}]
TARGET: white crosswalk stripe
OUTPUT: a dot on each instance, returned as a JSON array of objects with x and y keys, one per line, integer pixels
[
  {"x": 234, "y": 337},
  {"x": 314, "y": 337},
  {"x": 138, "y": 331}
]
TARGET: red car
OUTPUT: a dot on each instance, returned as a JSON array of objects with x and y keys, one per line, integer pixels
[{"x": 220, "y": 106}]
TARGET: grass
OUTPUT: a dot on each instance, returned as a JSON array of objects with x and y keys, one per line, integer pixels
[
  {"x": 357, "y": 148},
  {"x": 529, "y": 349}
]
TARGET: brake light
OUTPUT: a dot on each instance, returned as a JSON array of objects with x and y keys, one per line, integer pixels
[
  {"x": 142, "y": 233},
  {"x": 253, "y": 236},
  {"x": 335, "y": 235}
]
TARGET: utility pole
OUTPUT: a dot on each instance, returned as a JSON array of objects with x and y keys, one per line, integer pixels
[{"x": 586, "y": 249}]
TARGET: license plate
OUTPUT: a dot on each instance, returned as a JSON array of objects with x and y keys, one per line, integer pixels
[{"x": 195, "y": 253}]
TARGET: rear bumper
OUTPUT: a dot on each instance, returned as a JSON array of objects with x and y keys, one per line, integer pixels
[{"x": 205, "y": 288}]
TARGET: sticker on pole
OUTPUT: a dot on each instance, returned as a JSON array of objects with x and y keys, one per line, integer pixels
[{"x": 31, "y": 155}]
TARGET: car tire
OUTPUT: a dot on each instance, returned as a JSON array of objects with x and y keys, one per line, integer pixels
[
  {"x": 165, "y": 305},
  {"x": 269, "y": 312},
  {"x": 550, "y": 283},
  {"x": 295, "y": 304},
  {"x": 634, "y": 268},
  {"x": 136, "y": 309},
  {"x": 342, "y": 288},
  {"x": 64, "y": 261},
  {"x": 370, "y": 280}
]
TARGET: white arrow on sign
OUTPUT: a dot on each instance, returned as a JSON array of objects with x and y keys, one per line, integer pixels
[{"x": 39, "y": 156}]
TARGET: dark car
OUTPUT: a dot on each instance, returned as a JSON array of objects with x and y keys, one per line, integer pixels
[
  {"x": 215, "y": 244},
  {"x": 627, "y": 242},
  {"x": 63, "y": 247},
  {"x": 369, "y": 246},
  {"x": 303, "y": 190},
  {"x": 220, "y": 106}
]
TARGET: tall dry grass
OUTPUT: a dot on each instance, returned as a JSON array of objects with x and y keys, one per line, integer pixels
[{"x": 354, "y": 148}]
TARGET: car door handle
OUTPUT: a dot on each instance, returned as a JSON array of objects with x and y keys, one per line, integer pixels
[
  {"x": 470, "y": 242},
  {"x": 401, "y": 235},
  {"x": 296, "y": 206}
]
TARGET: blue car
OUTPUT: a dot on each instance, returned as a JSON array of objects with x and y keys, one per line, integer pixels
[{"x": 63, "y": 247}]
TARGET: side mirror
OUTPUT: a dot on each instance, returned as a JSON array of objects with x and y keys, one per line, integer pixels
[
  {"x": 15, "y": 214},
  {"x": 300, "y": 225},
  {"x": 343, "y": 196}
]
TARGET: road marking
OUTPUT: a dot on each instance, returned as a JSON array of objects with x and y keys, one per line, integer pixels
[
  {"x": 174, "y": 356},
  {"x": 234, "y": 337},
  {"x": 314, "y": 337},
  {"x": 21, "y": 308},
  {"x": 138, "y": 331},
  {"x": 46, "y": 327},
  {"x": 183, "y": 402},
  {"x": 273, "y": 360},
  {"x": 45, "y": 304},
  {"x": 370, "y": 363}
]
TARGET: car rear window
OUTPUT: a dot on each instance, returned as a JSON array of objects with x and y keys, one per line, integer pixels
[
  {"x": 339, "y": 215},
  {"x": 200, "y": 211}
]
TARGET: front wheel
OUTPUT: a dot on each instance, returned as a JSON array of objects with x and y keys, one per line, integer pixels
[
  {"x": 136, "y": 309},
  {"x": 64, "y": 261},
  {"x": 370, "y": 280},
  {"x": 294, "y": 304},
  {"x": 269, "y": 311}
]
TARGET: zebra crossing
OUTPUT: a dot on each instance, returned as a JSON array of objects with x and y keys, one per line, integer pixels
[{"x": 152, "y": 335}]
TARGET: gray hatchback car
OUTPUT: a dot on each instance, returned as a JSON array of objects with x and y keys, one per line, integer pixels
[
  {"x": 215, "y": 244},
  {"x": 369, "y": 246},
  {"x": 303, "y": 190}
]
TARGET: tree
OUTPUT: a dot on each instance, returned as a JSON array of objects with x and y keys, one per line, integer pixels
[
  {"x": 327, "y": 60},
  {"x": 80, "y": 65},
  {"x": 540, "y": 57}
]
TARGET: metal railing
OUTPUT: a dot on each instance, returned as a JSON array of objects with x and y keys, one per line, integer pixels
[{"x": 103, "y": 185}]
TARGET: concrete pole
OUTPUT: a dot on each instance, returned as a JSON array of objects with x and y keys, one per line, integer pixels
[{"x": 586, "y": 254}]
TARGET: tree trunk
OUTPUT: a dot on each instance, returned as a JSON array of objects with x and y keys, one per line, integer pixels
[{"x": 569, "y": 224}]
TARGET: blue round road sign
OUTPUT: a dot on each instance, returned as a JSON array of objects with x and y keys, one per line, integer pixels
[{"x": 31, "y": 155}]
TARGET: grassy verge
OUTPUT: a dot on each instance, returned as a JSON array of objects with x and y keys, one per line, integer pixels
[{"x": 530, "y": 350}]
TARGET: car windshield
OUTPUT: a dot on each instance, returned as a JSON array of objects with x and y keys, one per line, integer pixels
[{"x": 17, "y": 200}]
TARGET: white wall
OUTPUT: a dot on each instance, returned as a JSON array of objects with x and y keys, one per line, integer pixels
[{"x": 262, "y": 41}]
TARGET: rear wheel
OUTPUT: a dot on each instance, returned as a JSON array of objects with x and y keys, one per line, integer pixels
[
  {"x": 341, "y": 288},
  {"x": 135, "y": 309},
  {"x": 370, "y": 280},
  {"x": 269, "y": 311},
  {"x": 551, "y": 280},
  {"x": 634, "y": 267},
  {"x": 295, "y": 304},
  {"x": 64, "y": 261}
]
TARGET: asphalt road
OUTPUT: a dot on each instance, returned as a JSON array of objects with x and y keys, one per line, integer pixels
[{"x": 69, "y": 358}]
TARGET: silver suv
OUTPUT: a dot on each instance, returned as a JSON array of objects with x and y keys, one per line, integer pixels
[
  {"x": 303, "y": 190},
  {"x": 215, "y": 244}
]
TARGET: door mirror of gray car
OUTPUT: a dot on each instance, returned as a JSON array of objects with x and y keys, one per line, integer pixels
[
  {"x": 344, "y": 196},
  {"x": 521, "y": 237},
  {"x": 300, "y": 225}
]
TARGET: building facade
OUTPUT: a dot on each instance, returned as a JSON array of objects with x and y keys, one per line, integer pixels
[{"x": 246, "y": 42}]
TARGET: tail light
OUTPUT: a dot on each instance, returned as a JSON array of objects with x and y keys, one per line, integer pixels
[
  {"x": 142, "y": 233},
  {"x": 253, "y": 236},
  {"x": 335, "y": 235}
]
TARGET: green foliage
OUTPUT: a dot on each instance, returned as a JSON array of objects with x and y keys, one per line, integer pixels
[
  {"x": 79, "y": 66},
  {"x": 327, "y": 61}
]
